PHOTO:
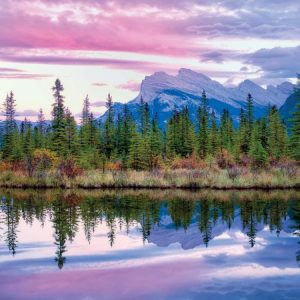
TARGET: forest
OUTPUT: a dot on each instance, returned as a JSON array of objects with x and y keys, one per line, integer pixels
[{"x": 62, "y": 149}]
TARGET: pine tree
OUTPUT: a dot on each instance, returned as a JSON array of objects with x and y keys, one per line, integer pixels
[
  {"x": 85, "y": 111},
  {"x": 71, "y": 134},
  {"x": 257, "y": 152},
  {"x": 276, "y": 139},
  {"x": 145, "y": 117},
  {"x": 136, "y": 159},
  {"x": 226, "y": 131},
  {"x": 28, "y": 146},
  {"x": 108, "y": 132},
  {"x": 40, "y": 131},
  {"x": 203, "y": 141},
  {"x": 59, "y": 121},
  {"x": 214, "y": 136},
  {"x": 242, "y": 138},
  {"x": 10, "y": 125},
  {"x": 156, "y": 143},
  {"x": 249, "y": 112}
]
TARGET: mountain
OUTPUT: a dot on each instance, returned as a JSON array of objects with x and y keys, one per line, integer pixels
[
  {"x": 289, "y": 107},
  {"x": 164, "y": 93},
  {"x": 164, "y": 234}
]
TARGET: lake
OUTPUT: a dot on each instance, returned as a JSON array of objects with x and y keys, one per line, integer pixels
[{"x": 154, "y": 244}]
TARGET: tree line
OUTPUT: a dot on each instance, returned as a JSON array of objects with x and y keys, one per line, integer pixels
[{"x": 141, "y": 144}]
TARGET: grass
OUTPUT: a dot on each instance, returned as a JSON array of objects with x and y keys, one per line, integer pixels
[{"x": 215, "y": 178}]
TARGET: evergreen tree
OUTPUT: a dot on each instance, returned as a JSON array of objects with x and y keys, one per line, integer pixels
[
  {"x": 59, "y": 121},
  {"x": 40, "y": 130},
  {"x": 85, "y": 111},
  {"x": 136, "y": 155},
  {"x": 145, "y": 117},
  {"x": 108, "y": 133},
  {"x": 10, "y": 125},
  {"x": 203, "y": 141},
  {"x": 226, "y": 131},
  {"x": 71, "y": 134},
  {"x": 214, "y": 136},
  {"x": 249, "y": 112},
  {"x": 257, "y": 152},
  {"x": 277, "y": 139},
  {"x": 156, "y": 143}
]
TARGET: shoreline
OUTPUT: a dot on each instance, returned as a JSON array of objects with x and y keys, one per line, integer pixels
[
  {"x": 184, "y": 179},
  {"x": 153, "y": 187}
]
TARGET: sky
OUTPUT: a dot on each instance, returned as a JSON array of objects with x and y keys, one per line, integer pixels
[{"x": 97, "y": 47}]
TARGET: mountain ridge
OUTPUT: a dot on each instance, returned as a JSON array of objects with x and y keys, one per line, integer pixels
[{"x": 164, "y": 93}]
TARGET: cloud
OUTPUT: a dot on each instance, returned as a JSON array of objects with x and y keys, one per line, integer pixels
[
  {"x": 244, "y": 69},
  {"x": 100, "y": 84},
  {"x": 12, "y": 73},
  {"x": 276, "y": 62},
  {"x": 158, "y": 25},
  {"x": 10, "y": 70},
  {"x": 27, "y": 113},
  {"x": 23, "y": 76},
  {"x": 136, "y": 65},
  {"x": 24, "y": 113},
  {"x": 130, "y": 85},
  {"x": 98, "y": 103}
]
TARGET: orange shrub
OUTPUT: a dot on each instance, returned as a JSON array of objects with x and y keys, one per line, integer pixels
[
  {"x": 189, "y": 163},
  {"x": 6, "y": 166},
  {"x": 69, "y": 169},
  {"x": 113, "y": 166},
  {"x": 225, "y": 159}
]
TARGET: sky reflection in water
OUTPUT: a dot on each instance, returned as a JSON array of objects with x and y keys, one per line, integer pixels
[{"x": 149, "y": 245}]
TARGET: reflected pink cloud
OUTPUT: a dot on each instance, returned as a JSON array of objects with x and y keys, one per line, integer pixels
[{"x": 124, "y": 283}]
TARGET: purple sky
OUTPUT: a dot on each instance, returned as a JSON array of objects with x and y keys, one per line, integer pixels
[{"x": 99, "y": 46}]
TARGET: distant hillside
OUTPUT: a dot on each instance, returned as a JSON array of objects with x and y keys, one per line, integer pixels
[{"x": 289, "y": 107}]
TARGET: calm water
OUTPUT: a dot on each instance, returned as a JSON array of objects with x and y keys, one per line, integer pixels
[{"x": 149, "y": 245}]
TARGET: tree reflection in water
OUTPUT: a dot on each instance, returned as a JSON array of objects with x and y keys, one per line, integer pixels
[{"x": 122, "y": 210}]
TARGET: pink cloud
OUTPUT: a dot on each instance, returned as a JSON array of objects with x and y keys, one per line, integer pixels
[
  {"x": 115, "y": 32},
  {"x": 23, "y": 76},
  {"x": 121, "y": 283},
  {"x": 76, "y": 60},
  {"x": 130, "y": 85},
  {"x": 100, "y": 84},
  {"x": 98, "y": 103}
]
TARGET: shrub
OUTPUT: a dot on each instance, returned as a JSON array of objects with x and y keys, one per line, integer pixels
[
  {"x": 189, "y": 163},
  {"x": 5, "y": 166},
  {"x": 68, "y": 168},
  {"x": 113, "y": 166},
  {"x": 225, "y": 159},
  {"x": 289, "y": 168},
  {"x": 234, "y": 172},
  {"x": 43, "y": 160}
]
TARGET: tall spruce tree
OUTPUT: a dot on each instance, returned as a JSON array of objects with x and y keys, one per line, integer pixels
[
  {"x": 214, "y": 136},
  {"x": 226, "y": 131},
  {"x": 108, "y": 131},
  {"x": 71, "y": 134},
  {"x": 40, "y": 130},
  {"x": 10, "y": 125},
  {"x": 203, "y": 135},
  {"x": 276, "y": 138},
  {"x": 59, "y": 142}
]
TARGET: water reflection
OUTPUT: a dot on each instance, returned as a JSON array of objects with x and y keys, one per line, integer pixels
[{"x": 160, "y": 216}]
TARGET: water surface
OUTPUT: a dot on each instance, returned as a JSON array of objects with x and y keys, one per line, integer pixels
[{"x": 149, "y": 245}]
